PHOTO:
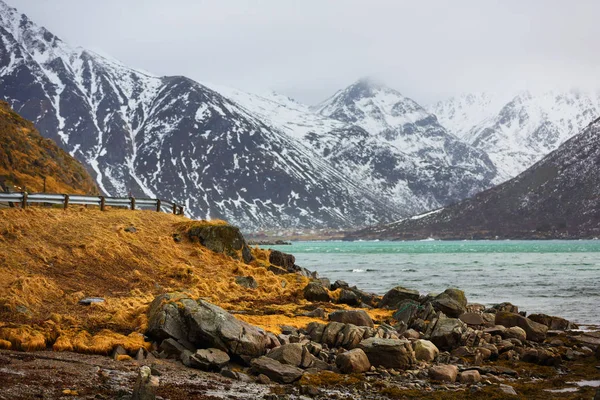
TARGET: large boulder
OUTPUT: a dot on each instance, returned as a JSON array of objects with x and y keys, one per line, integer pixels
[
  {"x": 355, "y": 317},
  {"x": 389, "y": 353},
  {"x": 315, "y": 291},
  {"x": 282, "y": 373},
  {"x": 535, "y": 331},
  {"x": 447, "y": 333},
  {"x": 353, "y": 361},
  {"x": 425, "y": 350},
  {"x": 553, "y": 323},
  {"x": 396, "y": 295},
  {"x": 471, "y": 318},
  {"x": 165, "y": 320},
  {"x": 221, "y": 239},
  {"x": 204, "y": 325},
  {"x": 451, "y": 302}
]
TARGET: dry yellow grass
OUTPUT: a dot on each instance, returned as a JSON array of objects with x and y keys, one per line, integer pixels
[{"x": 50, "y": 259}]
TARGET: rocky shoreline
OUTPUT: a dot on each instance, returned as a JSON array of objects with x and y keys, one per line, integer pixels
[{"x": 436, "y": 346}]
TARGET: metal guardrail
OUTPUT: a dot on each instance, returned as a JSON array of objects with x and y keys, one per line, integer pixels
[{"x": 23, "y": 199}]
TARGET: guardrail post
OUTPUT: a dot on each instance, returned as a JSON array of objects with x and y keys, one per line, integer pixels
[
  {"x": 132, "y": 203},
  {"x": 24, "y": 201},
  {"x": 66, "y": 201},
  {"x": 174, "y": 209},
  {"x": 180, "y": 210},
  {"x": 102, "y": 203},
  {"x": 157, "y": 205}
]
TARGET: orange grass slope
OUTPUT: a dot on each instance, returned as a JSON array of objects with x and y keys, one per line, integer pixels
[
  {"x": 26, "y": 158},
  {"x": 52, "y": 258}
]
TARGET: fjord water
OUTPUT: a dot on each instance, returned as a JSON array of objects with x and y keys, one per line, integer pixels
[{"x": 553, "y": 277}]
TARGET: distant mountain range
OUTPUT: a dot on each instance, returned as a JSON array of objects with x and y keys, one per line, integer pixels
[
  {"x": 366, "y": 155},
  {"x": 517, "y": 131},
  {"x": 557, "y": 197}
]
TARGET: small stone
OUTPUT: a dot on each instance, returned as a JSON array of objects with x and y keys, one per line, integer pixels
[
  {"x": 118, "y": 351},
  {"x": 246, "y": 281},
  {"x": 425, "y": 350},
  {"x": 275, "y": 370},
  {"x": 131, "y": 229},
  {"x": 145, "y": 386},
  {"x": 443, "y": 373},
  {"x": 263, "y": 379},
  {"x": 515, "y": 332},
  {"x": 209, "y": 359},
  {"x": 470, "y": 377},
  {"x": 507, "y": 389},
  {"x": 89, "y": 300}
]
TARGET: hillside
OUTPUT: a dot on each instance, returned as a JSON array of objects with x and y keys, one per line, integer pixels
[
  {"x": 555, "y": 198},
  {"x": 26, "y": 158},
  {"x": 51, "y": 259}
]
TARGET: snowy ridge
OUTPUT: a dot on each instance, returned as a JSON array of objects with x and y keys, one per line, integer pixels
[
  {"x": 555, "y": 198},
  {"x": 519, "y": 130},
  {"x": 383, "y": 140}
]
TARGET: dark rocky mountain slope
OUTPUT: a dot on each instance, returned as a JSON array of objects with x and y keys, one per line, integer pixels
[{"x": 558, "y": 197}]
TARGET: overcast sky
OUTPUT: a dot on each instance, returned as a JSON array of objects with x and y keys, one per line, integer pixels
[{"x": 308, "y": 49}]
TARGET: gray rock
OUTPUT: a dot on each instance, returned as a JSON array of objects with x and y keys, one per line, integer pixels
[
  {"x": 389, "y": 353},
  {"x": 282, "y": 373},
  {"x": 339, "y": 284},
  {"x": 172, "y": 348},
  {"x": 535, "y": 331},
  {"x": 515, "y": 332},
  {"x": 316, "y": 313},
  {"x": 211, "y": 325},
  {"x": 355, "y": 317},
  {"x": 283, "y": 260},
  {"x": 246, "y": 281},
  {"x": 145, "y": 385},
  {"x": 553, "y": 323},
  {"x": 447, "y": 333},
  {"x": 353, "y": 361},
  {"x": 209, "y": 359},
  {"x": 348, "y": 297},
  {"x": 294, "y": 354},
  {"x": 118, "y": 351},
  {"x": 470, "y": 318},
  {"x": 314, "y": 291},
  {"x": 164, "y": 318},
  {"x": 203, "y": 324},
  {"x": 451, "y": 302},
  {"x": 396, "y": 295},
  {"x": 507, "y": 389},
  {"x": 407, "y": 310}
]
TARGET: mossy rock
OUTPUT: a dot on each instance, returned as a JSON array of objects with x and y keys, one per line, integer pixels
[{"x": 225, "y": 239}]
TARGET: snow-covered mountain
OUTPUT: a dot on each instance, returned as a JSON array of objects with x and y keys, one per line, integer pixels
[
  {"x": 173, "y": 138},
  {"x": 517, "y": 131},
  {"x": 556, "y": 198},
  {"x": 383, "y": 139}
]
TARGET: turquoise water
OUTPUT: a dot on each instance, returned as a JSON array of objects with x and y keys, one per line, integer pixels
[{"x": 553, "y": 277}]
